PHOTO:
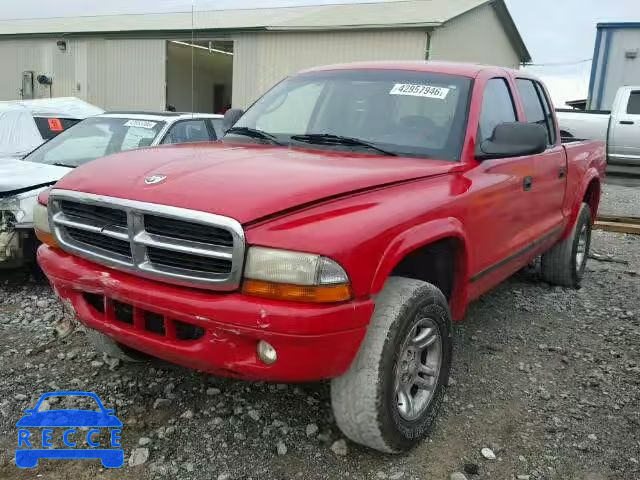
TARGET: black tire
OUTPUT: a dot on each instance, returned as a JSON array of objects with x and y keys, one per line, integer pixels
[
  {"x": 561, "y": 265},
  {"x": 364, "y": 399}
]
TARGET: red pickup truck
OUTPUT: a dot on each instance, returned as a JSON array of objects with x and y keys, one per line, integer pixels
[{"x": 348, "y": 217}]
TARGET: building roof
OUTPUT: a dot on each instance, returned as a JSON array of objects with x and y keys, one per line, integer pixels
[
  {"x": 368, "y": 14},
  {"x": 619, "y": 25}
]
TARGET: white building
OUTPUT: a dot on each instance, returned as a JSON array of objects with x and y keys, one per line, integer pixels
[
  {"x": 145, "y": 61},
  {"x": 616, "y": 62}
]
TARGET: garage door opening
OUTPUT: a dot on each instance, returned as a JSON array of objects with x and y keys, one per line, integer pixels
[{"x": 199, "y": 76}]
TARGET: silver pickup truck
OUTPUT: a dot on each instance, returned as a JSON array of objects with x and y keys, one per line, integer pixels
[{"x": 620, "y": 127}]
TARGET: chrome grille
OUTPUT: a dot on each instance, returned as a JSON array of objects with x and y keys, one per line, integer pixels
[{"x": 172, "y": 244}]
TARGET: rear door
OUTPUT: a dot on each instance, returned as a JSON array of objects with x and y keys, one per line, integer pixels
[
  {"x": 624, "y": 146},
  {"x": 549, "y": 179}
]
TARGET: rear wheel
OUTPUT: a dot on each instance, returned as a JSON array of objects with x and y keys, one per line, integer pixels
[
  {"x": 391, "y": 394},
  {"x": 566, "y": 263}
]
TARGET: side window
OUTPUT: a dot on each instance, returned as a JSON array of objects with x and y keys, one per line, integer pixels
[
  {"x": 633, "y": 107},
  {"x": 189, "y": 131},
  {"x": 535, "y": 108},
  {"x": 50, "y": 127},
  {"x": 497, "y": 107},
  {"x": 548, "y": 114},
  {"x": 216, "y": 125}
]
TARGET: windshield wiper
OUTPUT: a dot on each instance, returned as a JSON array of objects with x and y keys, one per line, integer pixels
[
  {"x": 330, "y": 139},
  {"x": 254, "y": 133},
  {"x": 63, "y": 165}
]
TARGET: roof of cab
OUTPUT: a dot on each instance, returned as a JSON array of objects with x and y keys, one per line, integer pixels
[
  {"x": 159, "y": 116},
  {"x": 453, "y": 68}
]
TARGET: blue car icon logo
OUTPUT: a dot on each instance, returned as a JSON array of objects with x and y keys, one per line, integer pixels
[{"x": 74, "y": 428}]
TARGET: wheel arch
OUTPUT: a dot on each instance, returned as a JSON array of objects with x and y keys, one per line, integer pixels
[
  {"x": 442, "y": 246},
  {"x": 592, "y": 195},
  {"x": 590, "y": 191}
]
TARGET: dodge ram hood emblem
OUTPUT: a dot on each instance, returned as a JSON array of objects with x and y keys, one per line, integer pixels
[{"x": 155, "y": 179}]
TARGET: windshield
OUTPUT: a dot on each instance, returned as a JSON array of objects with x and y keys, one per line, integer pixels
[
  {"x": 94, "y": 138},
  {"x": 401, "y": 112}
]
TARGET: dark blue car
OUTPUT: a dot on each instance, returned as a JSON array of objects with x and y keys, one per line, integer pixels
[{"x": 71, "y": 418}]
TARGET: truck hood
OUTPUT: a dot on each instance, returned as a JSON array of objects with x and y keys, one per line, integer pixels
[
  {"x": 243, "y": 182},
  {"x": 20, "y": 176}
]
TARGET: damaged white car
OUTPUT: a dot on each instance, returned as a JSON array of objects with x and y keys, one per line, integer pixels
[
  {"x": 25, "y": 124},
  {"x": 21, "y": 181}
]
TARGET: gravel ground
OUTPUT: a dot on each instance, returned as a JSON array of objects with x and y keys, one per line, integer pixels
[
  {"x": 547, "y": 378},
  {"x": 621, "y": 200}
]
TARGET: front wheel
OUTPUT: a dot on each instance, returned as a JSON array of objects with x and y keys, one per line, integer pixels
[
  {"x": 566, "y": 263},
  {"x": 391, "y": 394}
]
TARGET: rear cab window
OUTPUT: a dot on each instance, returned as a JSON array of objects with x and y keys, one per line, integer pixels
[{"x": 50, "y": 127}]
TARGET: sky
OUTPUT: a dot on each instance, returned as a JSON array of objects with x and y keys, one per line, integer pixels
[{"x": 560, "y": 34}]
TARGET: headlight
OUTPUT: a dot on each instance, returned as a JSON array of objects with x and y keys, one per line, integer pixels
[
  {"x": 288, "y": 275},
  {"x": 41, "y": 218},
  {"x": 41, "y": 225}
]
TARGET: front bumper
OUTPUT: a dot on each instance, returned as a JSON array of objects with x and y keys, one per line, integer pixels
[{"x": 213, "y": 332}]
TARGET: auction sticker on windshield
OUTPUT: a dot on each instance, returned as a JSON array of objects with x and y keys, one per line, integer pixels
[
  {"x": 140, "y": 123},
  {"x": 419, "y": 91}
]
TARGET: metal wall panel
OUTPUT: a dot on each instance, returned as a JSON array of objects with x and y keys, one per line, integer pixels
[
  {"x": 132, "y": 73},
  {"x": 263, "y": 59},
  {"x": 112, "y": 74},
  {"x": 476, "y": 36},
  {"x": 20, "y": 55},
  {"x": 619, "y": 70}
]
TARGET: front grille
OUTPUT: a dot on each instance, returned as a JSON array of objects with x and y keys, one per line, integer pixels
[
  {"x": 131, "y": 317},
  {"x": 160, "y": 257},
  {"x": 194, "y": 232},
  {"x": 171, "y": 244},
  {"x": 103, "y": 215},
  {"x": 100, "y": 241}
]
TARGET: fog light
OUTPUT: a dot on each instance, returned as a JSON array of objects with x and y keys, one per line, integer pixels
[{"x": 267, "y": 353}]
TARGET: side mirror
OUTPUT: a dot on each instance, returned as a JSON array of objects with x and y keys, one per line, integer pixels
[
  {"x": 514, "y": 139},
  {"x": 109, "y": 411},
  {"x": 231, "y": 117},
  {"x": 30, "y": 410}
]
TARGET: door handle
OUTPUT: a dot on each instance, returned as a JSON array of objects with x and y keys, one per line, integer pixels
[
  {"x": 562, "y": 173},
  {"x": 626, "y": 122},
  {"x": 527, "y": 183}
]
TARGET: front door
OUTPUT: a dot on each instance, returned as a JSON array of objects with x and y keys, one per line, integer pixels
[
  {"x": 500, "y": 197},
  {"x": 624, "y": 144}
]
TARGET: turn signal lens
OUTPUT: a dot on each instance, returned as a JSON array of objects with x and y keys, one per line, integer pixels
[
  {"x": 298, "y": 293},
  {"x": 42, "y": 227},
  {"x": 47, "y": 238}
]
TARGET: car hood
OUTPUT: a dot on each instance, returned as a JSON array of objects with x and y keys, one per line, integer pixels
[
  {"x": 243, "y": 182},
  {"x": 69, "y": 418},
  {"x": 20, "y": 176}
]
